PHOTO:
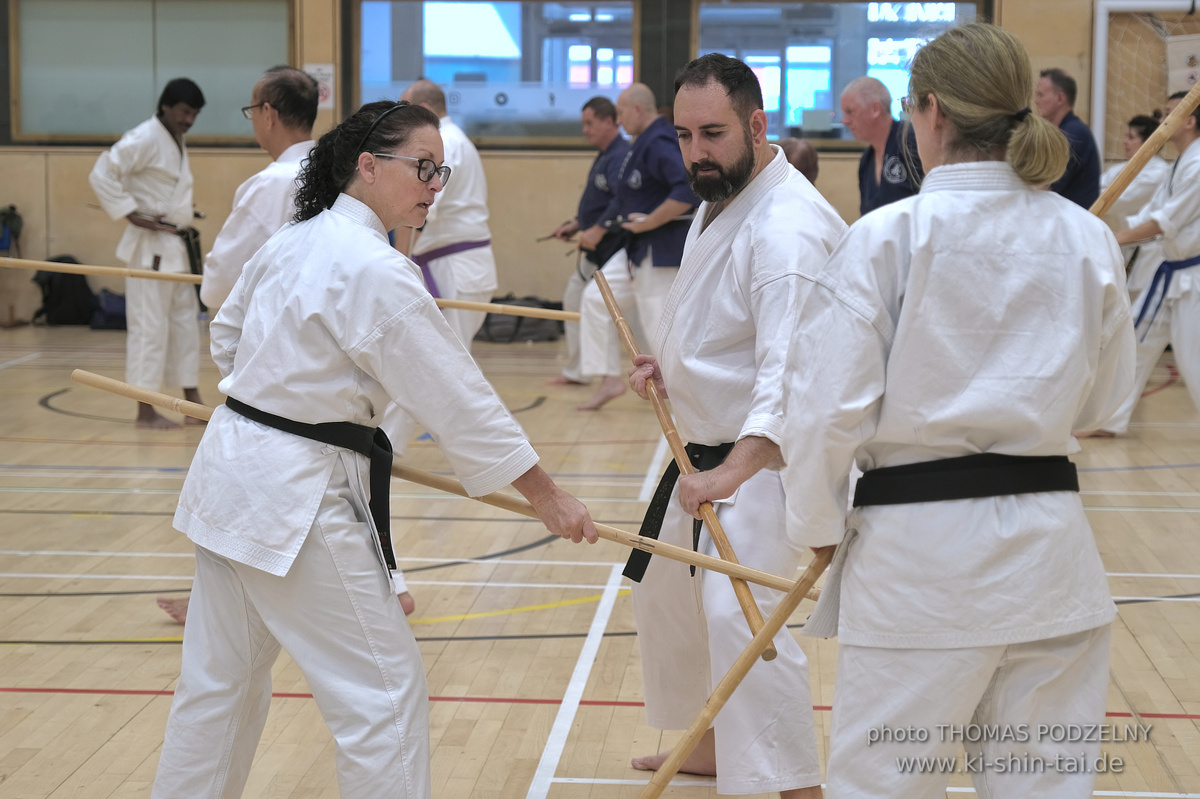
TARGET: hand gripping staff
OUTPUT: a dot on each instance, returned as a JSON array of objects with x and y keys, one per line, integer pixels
[
  {"x": 724, "y": 549},
  {"x": 182, "y": 277},
  {"x": 504, "y": 501}
]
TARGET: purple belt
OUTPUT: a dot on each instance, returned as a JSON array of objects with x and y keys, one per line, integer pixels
[{"x": 424, "y": 258}]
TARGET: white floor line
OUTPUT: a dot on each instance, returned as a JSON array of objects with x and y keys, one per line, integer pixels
[
  {"x": 544, "y": 776},
  {"x": 38, "y": 576},
  {"x": 1140, "y": 493},
  {"x": 453, "y": 583},
  {"x": 1136, "y": 509},
  {"x": 580, "y": 586},
  {"x": 1155, "y": 599},
  {"x": 1152, "y": 574},
  {"x": 650, "y": 482},
  {"x": 175, "y": 492},
  {"x": 29, "y": 553},
  {"x": 18, "y": 361}
]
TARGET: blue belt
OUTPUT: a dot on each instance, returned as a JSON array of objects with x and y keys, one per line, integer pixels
[{"x": 1166, "y": 271}]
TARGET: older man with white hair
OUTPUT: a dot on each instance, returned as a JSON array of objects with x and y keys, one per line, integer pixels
[{"x": 889, "y": 170}]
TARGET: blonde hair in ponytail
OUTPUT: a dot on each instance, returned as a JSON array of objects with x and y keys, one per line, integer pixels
[{"x": 981, "y": 77}]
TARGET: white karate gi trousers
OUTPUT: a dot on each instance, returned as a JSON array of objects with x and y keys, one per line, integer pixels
[
  {"x": 600, "y": 350},
  {"x": 572, "y": 297},
  {"x": 335, "y": 614},
  {"x": 446, "y": 273},
  {"x": 1059, "y": 681},
  {"x": 651, "y": 285},
  {"x": 1177, "y": 324},
  {"x": 162, "y": 346},
  {"x": 691, "y": 630}
]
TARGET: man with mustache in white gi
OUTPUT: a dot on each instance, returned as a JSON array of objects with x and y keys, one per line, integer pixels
[
  {"x": 760, "y": 234},
  {"x": 145, "y": 178}
]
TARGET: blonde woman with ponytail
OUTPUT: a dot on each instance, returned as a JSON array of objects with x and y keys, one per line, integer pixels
[{"x": 950, "y": 345}]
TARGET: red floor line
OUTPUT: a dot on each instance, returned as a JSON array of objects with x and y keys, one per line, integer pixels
[{"x": 498, "y": 700}]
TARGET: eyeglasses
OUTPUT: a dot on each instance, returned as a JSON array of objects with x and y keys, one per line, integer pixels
[
  {"x": 426, "y": 169},
  {"x": 246, "y": 110},
  {"x": 908, "y": 105}
]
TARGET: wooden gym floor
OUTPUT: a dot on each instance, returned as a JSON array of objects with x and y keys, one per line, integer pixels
[{"x": 528, "y": 641}]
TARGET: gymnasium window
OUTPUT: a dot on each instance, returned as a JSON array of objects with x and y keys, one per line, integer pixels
[
  {"x": 805, "y": 53},
  {"x": 511, "y": 70},
  {"x": 88, "y": 70}
]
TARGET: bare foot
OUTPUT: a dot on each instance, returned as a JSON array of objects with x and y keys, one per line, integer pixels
[
  {"x": 176, "y": 608},
  {"x": 407, "y": 603},
  {"x": 148, "y": 417},
  {"x": 563, "y": 380},
  {"x": 1095, "y": 434},
  {"x": 702, "y": 760},
  {"x": 610, "y": 388}
]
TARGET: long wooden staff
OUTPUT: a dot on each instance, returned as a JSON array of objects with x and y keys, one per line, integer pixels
[
  {"x": 1147, "y": 151},
  {"x": 450, "y": 486},
  {"x": 737, "y": 672},
  {"x": 179, "y": 277},
  {"x": 720, "y": 540}
]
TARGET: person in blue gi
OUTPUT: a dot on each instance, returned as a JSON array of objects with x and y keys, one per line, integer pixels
[
  {"x": 599, "y": 122},
  {"x": 1054, "y": 98},
  {"x": 654, "y": 203},
  {"x": 890, "y": 169}
]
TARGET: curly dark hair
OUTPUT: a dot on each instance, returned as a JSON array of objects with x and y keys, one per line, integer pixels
[{"x": 333, "y": 163}]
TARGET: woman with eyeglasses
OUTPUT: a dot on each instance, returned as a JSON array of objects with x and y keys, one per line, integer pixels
[
  {"x": 327, "y": 325},
  {"x": 950, "y": 345}
]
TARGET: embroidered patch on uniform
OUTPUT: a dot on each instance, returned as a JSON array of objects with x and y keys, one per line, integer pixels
[
  {"x": 635, "y": 179},
  {"x": 601, "y": 181},
  {"x": 894, "y": 170}
]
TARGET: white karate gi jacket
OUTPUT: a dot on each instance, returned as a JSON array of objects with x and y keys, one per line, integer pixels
[
  {"x": 329, "y": 323},
  {"x": 1175, "y": 206},
  {"x": 978, "y": 316},
  {"x": 729, "y": 315},
  {"x": 461, "y": 213},
  {"x": 262, "y": 205},
  {"x": 146, "y": 171},
  {"x": 1137, "y": 193}
]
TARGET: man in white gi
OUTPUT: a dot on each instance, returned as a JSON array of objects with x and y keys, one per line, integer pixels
[
  {"x": 722, "y": 344},
  {"x": 454, "y": 248},
  {"x": 283, "y": 107},
  {"x": 1167, "y": 233},
  {"x": 145, "y": 178},
  {"x": 652, "y": 203}
]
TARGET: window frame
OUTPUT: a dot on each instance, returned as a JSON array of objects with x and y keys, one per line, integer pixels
[{"x": 20, "y": 138}]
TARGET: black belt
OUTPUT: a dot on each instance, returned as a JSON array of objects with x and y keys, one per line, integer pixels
[
  {"x": 703, "y": 459},
  {"x": 968, "y": 477},
  {"x": 369, "y": 441}
]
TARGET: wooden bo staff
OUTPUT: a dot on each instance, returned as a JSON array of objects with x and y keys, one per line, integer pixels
[
  {"x": 1147, "y": 151},
  {"x": 737, "y": 672},
  {"x": 184, "y": 277},
  {"x": 450, "y": 486},
  {"x": 720, "y": 540}
]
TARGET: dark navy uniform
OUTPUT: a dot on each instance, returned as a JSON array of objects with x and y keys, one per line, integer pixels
[
  {"x": 601, "y": 183},
  {"x": 898, "y": 178},
  {"x": 654, "y": 172},
  {"x": 1081, "y": 182}
]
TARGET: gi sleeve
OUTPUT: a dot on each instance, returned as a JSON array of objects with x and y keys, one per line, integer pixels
[
  {"x": 1179, "y": 210},
  {"x": 129, "y": 155},
  {"x": 240, "y": 237},
  {"x": 426, "y": 371},
  {"x": 1114, "y": 376},
  {"x": 837, "y": 361}
]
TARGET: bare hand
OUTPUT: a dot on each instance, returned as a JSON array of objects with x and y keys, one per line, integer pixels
[
  {"x": 589, "y": 238},
  {"x": 150, "y": 222},
  {"x": 566, "y": 516},
  {"x": 636, "y": 223},
  {"x": 696, "y": 489},
  {"x": 645, "y": 369},
  {"x": 566, "y": 231}
]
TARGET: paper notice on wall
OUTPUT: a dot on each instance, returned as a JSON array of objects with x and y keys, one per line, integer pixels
[
  {"x": 1183, "y": 63},
  {"x": 323, "y": 75}
]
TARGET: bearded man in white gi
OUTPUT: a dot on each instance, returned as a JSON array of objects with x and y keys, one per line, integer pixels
[
  {"x": 283, "y": 108},
  {"x": 145, "y": 178},
  {"x": 723, "y": 341},
  {"x": 1167, "y": 311},
  {"x": 454, "y": 248}
]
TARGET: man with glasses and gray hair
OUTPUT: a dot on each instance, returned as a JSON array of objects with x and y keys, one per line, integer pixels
[
  {"x": 886, "y": 172},
  {"x": 454, "y": 248}
]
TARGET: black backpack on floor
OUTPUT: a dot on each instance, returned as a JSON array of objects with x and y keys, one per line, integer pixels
[
  {"x": 506, "y": 328},
  {"x": 66, "y": 299}
]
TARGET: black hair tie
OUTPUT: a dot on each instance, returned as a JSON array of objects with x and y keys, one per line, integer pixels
[{"x": 1020, "y": 115}]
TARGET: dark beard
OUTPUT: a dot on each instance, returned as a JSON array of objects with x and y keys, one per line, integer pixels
[{"x": 727, "y": 182}]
